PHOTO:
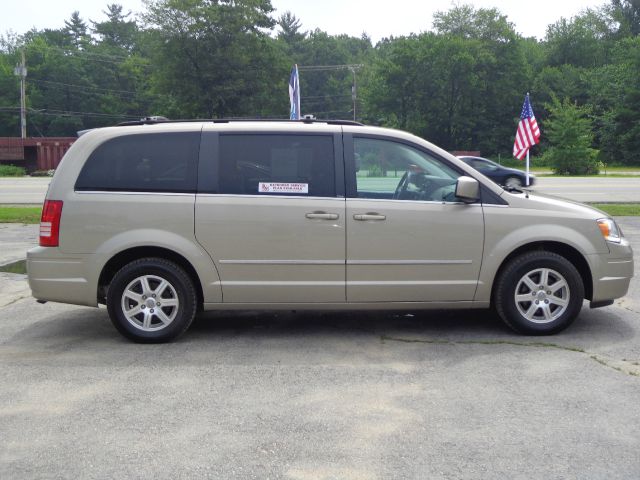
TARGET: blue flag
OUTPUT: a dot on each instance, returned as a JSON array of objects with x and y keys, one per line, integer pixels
[{"x": 294, "y": 94}]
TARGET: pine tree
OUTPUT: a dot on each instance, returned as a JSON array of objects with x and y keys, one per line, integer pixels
[{"x": 570, "y": 135}]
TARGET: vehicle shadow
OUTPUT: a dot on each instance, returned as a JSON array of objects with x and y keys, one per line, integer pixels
[
  {"x": 598, "y": 326},
  {"x": 89, "y": 333}
]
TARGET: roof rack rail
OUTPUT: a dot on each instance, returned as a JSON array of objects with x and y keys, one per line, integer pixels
[{"x": 156, "y": 120}]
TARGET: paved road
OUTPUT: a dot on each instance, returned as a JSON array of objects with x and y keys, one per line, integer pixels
[
  {"x": 592, "y": 189},
  {"x": 321, "y": 396},
  {"x": 23, "y": 190},
  {"x": 609, "y": 189}
]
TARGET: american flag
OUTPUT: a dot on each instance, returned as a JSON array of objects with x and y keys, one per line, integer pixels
[
  {"x": 294, "y": 94},
  {"x": 528, "y": 133}
]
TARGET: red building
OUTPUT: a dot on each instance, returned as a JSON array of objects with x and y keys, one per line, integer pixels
[{"x": 36, "y": 153}]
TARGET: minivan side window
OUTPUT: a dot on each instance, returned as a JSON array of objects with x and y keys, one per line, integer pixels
[
  {"x": 273, "y": 164},
  {"x": 154, "y": 162},
  {"x": 396, "y": 171}
]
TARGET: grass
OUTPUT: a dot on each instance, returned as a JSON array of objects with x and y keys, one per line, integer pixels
[
  {"x": 608, "y": 175},
  {"x": 19, "y": 214},
  {"x": 619, "y": 209},
  {"x": 12, "y": 171},
  {"x": 16, "y": 267}
]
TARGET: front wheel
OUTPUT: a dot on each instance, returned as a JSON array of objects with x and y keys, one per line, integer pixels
[
  {"x": 539, "y": 293},
  {"x": 151, "y": 300},
  {"x": 513, "y": 182}
]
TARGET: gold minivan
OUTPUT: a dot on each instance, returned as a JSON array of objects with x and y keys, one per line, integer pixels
[{"x": 158, "y": 220}]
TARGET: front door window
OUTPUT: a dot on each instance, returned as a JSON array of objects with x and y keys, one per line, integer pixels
[{"x": 397, "y": 171}]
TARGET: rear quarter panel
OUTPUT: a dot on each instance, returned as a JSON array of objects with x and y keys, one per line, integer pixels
[{"x": 103, "y": 224}]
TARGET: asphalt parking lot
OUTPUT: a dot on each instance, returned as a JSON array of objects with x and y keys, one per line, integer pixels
[{"x": 318, "y": 396}]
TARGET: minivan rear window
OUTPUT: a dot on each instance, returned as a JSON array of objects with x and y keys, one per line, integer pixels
[
  {"x": 154, "y": 162},
  {"x": 272, "y": 164}
]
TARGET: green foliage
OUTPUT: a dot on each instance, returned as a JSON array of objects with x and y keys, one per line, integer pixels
[
  {"x": 582, "y": 41},
  {"x": 570, "y": 136},
  {"x": 376, "y": 170},
  {"x": 215, "y": 58},
  {"x": 459, "y": 85},
  {"x": 451, "y": 87},
  {"x": 12, "y": 171},
  {"x": 117, "y": 31},
  {"x": 627, "y": 14}
]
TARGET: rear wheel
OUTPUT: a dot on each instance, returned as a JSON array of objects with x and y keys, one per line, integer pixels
[
  {"x": 151, "y": 300},
  {"x": 539, "y": 293}
]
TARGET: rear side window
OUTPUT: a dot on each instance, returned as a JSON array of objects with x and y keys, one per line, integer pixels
[
  {"x": 156, "y": 162},
  {"x": 277, "y": 165}
]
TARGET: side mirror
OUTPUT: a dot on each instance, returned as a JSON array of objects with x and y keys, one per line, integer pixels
[{"x": 467, "y": 189}]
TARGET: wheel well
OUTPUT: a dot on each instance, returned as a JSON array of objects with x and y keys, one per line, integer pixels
[
  {"x": 126, "y": 256},
  {"x": 568, "y": 252}
]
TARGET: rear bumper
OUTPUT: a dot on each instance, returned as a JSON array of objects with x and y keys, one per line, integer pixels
[
  {"x": 57, "y": 277},
  {"x": 612, "y": 273}
]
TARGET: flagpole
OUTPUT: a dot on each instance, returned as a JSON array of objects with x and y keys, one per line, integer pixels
[{"x": 528, "y": 154}]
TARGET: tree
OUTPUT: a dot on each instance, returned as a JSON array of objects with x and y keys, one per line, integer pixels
[
  {"x": 117, "y": 30},
  {"x": 76, "y": 29},
  {"x": 570, "y": 136},
  {"x": 467, "y": 22},
  {"x": 627, "y": 14},
  {"x": 290, "y": 29},
  {"x": 457, "y": 87},
  {"x": 582, "y": 41},
  {"x": 326, "y": 92},
  {"x": 616, "y": 89},
  {"x": 214, "y": 58}
]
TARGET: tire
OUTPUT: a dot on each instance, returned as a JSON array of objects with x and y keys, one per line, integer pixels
[
  {"x": 518, "y": 288},
  {"x": 133, "y": 300},
  {"x": 513, "y": 182}
]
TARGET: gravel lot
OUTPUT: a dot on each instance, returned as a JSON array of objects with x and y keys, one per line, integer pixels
[{"x": 318, "y": 396}]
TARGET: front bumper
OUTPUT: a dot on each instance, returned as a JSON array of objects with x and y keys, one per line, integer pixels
[{"x": 612, "y": 273}]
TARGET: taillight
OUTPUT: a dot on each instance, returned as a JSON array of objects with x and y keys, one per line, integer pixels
[{"x": 50, "y": 223}]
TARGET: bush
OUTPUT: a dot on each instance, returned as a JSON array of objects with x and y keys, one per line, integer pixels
[
  {"x": 12, "y": 171},
  {"x": 376, "y": 171},
  {"x": 570, "y": 135}
]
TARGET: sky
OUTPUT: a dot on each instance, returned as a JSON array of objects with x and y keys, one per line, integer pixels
[{"x": 378, "y": 18}]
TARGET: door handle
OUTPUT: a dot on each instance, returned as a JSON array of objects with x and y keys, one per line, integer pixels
[
  {"x": 322, "y": 216},
  {"x": 369, "y": 216}
]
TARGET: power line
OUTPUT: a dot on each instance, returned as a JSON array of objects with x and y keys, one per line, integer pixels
[
  {"x": 315, "y": 97},
  {"x": 58, "y": 113},
  {"x": 98, "y": 57},
  {"x": 90, "y": 89},
  {"x": 85, "y": 52},
  {"x": 330, "y": 67}
]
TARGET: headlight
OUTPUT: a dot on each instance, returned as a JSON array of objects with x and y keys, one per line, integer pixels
[{"x": 609, "y": 230}]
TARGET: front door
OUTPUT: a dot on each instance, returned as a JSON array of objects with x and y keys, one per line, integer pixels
[{"x": 408, "y": 238}]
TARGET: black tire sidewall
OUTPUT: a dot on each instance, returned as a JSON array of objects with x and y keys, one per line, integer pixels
[
  {"x": 513, "y": 177},
  {"x": 164, "y": 269},
  {"x": 504, "y": 299}
]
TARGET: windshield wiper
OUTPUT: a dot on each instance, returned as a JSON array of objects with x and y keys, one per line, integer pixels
[{"x": 511, "y": 189}]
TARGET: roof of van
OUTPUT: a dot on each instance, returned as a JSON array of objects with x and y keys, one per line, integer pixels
[{"x": 163, "y": 120}]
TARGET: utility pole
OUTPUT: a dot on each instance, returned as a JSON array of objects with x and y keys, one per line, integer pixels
[
  {"x": 21, "y": 71},
  {"x": 354, "y": 95},
  {"x": 352, "y": 67}
]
